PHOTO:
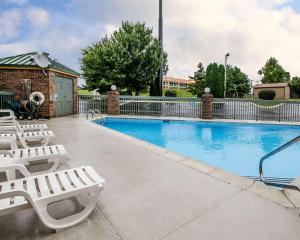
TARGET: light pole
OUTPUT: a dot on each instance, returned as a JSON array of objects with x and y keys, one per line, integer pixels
[
  {"x": 225, "y": 82},
  {"x": 160, "y": 37}
]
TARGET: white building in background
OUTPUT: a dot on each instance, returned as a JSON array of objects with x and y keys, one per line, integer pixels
[{"x": 176, "y": 83}]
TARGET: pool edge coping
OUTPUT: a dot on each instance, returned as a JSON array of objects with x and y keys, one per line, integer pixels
[
  {"x": 243, "y": 183},
  {"x": 204, "y": 120}
]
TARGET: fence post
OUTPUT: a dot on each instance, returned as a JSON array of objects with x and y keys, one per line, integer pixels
[
  {"x": 256, "y": 112},
  {"x": 279, "y": 112},
  {"x": 207, "y": 106},
  {"x": 234, "y": 110},
  {"x": 113, "y": 103}
]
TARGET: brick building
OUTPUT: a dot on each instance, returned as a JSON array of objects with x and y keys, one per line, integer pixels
[{"x": 57, "y": 82}]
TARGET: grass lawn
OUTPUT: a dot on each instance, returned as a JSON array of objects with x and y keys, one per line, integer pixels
[
  {"x": 84, "y": 92},
  {"x": 183, "y": 93},
  {"x": 180, "y": 93},
  {"x": 267, "y": 102},
  {"x": 274, "y": 102}
]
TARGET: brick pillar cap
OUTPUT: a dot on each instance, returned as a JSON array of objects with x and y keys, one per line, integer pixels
[
  {"x": 113, "y": 92},
  {"x": 207, "y": 95}
]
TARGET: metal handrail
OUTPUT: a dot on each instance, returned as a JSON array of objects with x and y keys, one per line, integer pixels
[
  {"x": 97, "y": 114},
  {"x": 92, "y": 112},
  {"x": 277, "y": 150}
]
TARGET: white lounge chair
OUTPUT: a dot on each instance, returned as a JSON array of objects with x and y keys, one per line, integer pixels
[
  {"x": 9, "y": 122},
  {"x": 11, "y": 139},
  {"x": 29, "y": 156},
  {"x": 25, "y": 138},
  {"x": 7, "y": 115},
  {"x": 42, "y": 190},
  {"x": 16, "y": 127},
  {"x": 44, "y": 137}
]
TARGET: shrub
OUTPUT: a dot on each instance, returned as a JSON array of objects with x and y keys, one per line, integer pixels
[
  {"x": 171, "y": 93},
  {"x": 267, "y": 94}
]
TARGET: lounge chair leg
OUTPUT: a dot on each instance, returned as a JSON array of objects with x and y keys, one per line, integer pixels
[
  {"x": 58, "y": 230},
  {"x": 45, "y": 141},
  {"x": 54, "y": 166},
  {"x": 10, "y": 174},
  {"x": 23, "y": 142},
  {"x": 50, "y": 222},
  {"x": 62, "y": 229}
]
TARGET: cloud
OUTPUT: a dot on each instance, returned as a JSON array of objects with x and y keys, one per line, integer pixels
[
  {"x": 17, "y": 2},
  {"x": 8, "y": 49},
  {"x": 38, "y": 17},
  {"x": 252, "y": 31},
  {"x": 110, "y": 28},
  {"x": 194, "y": 31},
  {"x": 9, "y": 23}
]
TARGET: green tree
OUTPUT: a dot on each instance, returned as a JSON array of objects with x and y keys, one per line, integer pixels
[
  {"x": 215, "y": 76},
  {"x": 200, "y": 81},
  {"x": 295, "y": 87},
  {"x": 238, "y": 84},
  {"x": 130, "y": 59},
  {"x": 273, "y": 72}
]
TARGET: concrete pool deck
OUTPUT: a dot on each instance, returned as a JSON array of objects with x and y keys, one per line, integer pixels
[{"x": 152, "y": 193}]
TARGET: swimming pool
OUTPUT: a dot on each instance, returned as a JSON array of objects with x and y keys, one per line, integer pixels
[{"x": 234, "y": 147}]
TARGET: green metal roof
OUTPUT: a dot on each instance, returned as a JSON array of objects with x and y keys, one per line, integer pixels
[{"x": 26, "y": 60}]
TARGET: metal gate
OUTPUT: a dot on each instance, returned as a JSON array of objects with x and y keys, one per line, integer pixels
[{"x": 64, "y": 98}]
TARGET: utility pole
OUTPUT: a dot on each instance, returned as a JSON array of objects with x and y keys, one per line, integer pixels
[
  {"x": 225, "y": 81},
  {"x": 160, "y": 37},
  {"x": 156, "y": 89}
]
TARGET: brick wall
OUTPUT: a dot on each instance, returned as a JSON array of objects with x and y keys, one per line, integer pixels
[
  {"x": 113, "y": 103},
  {"x": 207, "y": 106},
  {"x": 10, "y": 79}
]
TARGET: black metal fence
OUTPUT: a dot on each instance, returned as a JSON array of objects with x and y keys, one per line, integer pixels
[
  {"x": 258, "y": 110},
  {"x": 90, "y": 102},
  {"x": 161, "y": 106},
  {"x": 6, "y": 96},
  {"x": 239, "y": 109}
]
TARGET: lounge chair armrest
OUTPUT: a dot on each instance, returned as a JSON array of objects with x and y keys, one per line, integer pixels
[
  {"x": 13, "y": 130},
  {"x": 7, "y": 122},
  {"x": 15, "y": 193},
  {"x": 6, "y": 153},
  {"x": 13, "y": 167},
  {"x": 12, "y": 143},
  {"x": 11, "y": 114}
]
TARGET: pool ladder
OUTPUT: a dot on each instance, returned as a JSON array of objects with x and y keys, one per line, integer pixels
[
  {"x": 267, "y": 181},
  {"x": 96, "y": 113}
]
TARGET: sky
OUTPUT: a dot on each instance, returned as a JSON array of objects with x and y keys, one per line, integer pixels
[{"x": 194, "y": 30}]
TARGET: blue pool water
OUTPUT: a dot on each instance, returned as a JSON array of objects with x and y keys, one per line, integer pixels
[{"x": 234, "y": 147}]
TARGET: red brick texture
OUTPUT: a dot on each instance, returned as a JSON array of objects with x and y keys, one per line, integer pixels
[
  {"x": 10, "y": 79},
  {"x": 207, "y": 106},
  {"x": 113, "y": 103}
]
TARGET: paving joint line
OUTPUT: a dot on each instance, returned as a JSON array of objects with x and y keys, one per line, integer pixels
[
  {"x": 199, "y": 215},
  {"x": 116, "y": 233},
  {"x": 100, "y": 212}
]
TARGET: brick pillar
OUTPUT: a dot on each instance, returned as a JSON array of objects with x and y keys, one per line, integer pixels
[
  {"x": 207, "y": 106},
  {"x": 113, "y": 103}
]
